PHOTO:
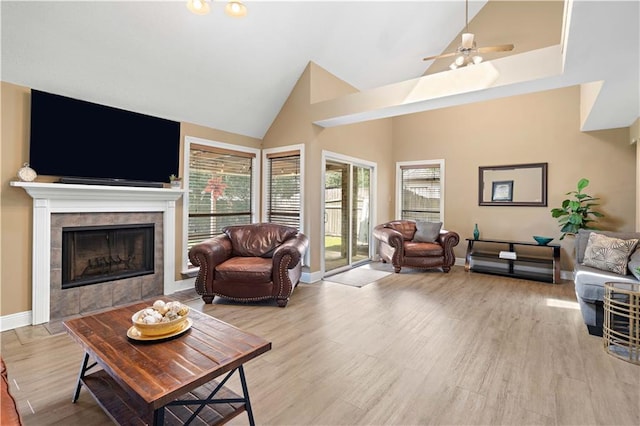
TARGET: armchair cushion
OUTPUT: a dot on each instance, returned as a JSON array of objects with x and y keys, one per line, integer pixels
[
  {"x": 258, "y": 242},
  {"x": 427, "y": 232},
  {"x": 406, "y": 228},
  {"x": 245, "y": 269},
  {"x": 417, "y": 249}
]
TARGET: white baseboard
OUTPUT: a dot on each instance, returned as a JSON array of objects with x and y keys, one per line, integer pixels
[
  {"x": 181, "y": 285},
  {"x": 20, "y": 319},
  {"x": 310, "y": 277}
]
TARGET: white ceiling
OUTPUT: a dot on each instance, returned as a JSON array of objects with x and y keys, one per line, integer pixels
[{"x": 235, "y": 74}]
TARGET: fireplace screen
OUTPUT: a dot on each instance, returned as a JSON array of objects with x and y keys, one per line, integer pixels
[{"x": 95, "y": 254}]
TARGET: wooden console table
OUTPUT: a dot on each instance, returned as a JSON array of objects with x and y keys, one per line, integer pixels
[
  {"x": 148, "y": 382},
  {"x": 531, "y": 260}
]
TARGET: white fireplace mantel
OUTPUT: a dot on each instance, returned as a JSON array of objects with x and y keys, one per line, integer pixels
[{"x": 51, "y": 198}]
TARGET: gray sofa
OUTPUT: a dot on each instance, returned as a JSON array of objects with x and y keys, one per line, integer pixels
[{"x": 589, "y": 282}]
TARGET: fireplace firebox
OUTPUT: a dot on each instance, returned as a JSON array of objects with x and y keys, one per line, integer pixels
[{"x": 96, "y": 254}]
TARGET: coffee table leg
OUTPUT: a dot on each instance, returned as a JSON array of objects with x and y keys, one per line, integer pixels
[
  {"x": 158, "y": 417},
  {"x": 83, "y": 368},
  {"x": 245, "y": 391}
]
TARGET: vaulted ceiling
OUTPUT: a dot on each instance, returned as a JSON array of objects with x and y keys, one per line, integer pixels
[{"x": 235, "y": 74}]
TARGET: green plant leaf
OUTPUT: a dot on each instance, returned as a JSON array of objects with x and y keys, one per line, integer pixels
[
  {"x": 576, "y": 212},
  {"x": 582, "y": 184}
]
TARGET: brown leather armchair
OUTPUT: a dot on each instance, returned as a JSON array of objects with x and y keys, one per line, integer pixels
[
  {"x": 250, "y": 262},
  {"x": 396, "y": 246}
]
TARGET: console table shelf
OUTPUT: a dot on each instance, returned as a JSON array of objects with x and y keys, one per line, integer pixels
[{"x": 532, "y": 261}]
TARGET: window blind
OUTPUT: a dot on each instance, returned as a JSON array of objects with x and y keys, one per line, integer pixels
[
  {"x": 420, "y": 197},
  {"x": 283, "y": 189},
  {"x": 219, "y": 191}
]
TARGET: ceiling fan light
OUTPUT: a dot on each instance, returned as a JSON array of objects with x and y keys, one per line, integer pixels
[
  {"x": 199, "y": 7},
  {"x": 477, "y": 59},
  {"x": 467, "y": 40},
  {"x": 459, "y": 61},
  {"x": 453, "y": 66},
  {"x": 236, "y": 9}
]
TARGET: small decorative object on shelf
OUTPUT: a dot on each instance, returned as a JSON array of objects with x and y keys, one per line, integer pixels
[
  {"x": 175, "y": 181},
  {"x": 26, "y": 173},
  {"x": 476, "y": 232},
  {"x": 543, "y": 241}
]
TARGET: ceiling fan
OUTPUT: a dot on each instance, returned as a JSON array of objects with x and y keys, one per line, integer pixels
[{"x": 467, "y": 53}]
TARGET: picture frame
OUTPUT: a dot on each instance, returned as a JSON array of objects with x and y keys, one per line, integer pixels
[
  {"x": 502, "y": 191},
  {"x": 529, "y": 188}
]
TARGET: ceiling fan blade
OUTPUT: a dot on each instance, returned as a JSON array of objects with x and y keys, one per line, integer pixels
[
  {"x": 500, "y": 48},
  {"x": 444, "y": 55}
]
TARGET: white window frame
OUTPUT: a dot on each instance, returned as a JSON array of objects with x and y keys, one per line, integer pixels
[
  {"x": 255, "y": 187},
  {"x": 420, "y": 163}
]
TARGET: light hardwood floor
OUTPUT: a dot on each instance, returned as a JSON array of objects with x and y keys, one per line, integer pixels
[{"x": 413, "y": 348}]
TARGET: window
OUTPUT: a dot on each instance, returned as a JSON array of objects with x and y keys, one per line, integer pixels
[
  {"x": 283, "y": 185},
  {"x": 282, "y": 189},
  {"x": 222, "y": 192},
  {"x": 420, "y": 190}
]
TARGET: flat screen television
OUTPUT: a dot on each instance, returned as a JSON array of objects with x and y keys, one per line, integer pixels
[{"x": 84, "y": 142}]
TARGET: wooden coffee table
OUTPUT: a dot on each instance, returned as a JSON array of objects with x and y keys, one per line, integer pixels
[{"x": 170, "y": 380}]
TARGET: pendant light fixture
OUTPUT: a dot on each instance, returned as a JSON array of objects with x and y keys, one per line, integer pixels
[
  {"x": 199, "y": 7},
  {"x": 234, "y": 8}
]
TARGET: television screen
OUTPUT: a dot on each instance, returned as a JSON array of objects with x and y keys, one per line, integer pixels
[{"x": 74, "y": 138}]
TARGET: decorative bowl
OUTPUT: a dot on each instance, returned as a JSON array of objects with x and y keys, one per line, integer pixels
[
  {"x": 543, "y": 241},
  {"x": 169, "y": 323}
]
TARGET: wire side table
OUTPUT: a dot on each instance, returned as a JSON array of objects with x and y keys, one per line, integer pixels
[{"x": 621, "y": 331}]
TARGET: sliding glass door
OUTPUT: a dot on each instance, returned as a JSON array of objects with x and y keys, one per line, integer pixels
[{"x": 347, "y": 213}]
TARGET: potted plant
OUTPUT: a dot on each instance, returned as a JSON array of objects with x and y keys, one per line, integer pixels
[
  {"x": 175, "y": 181},
  {"x": 577, "y": 212}
]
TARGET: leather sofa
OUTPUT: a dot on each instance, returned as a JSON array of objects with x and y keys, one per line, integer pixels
[
  {"x": 396, "y": 245},
  {"x": 9, "y": 415},
  {"x": 589, "y": 282},
  {"x": 249, "y": 263}
]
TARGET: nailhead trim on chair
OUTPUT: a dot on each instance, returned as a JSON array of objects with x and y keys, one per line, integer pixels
[
  {"x": 204, "y": 267},
  {"x": 284, "y": 278}
]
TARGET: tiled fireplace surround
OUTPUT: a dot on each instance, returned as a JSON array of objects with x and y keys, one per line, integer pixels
[
  {"x": 80, "y": 300},
  {"x": 56, "y": 205}
]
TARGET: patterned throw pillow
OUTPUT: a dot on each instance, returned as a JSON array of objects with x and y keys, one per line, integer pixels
[
  {"x": 427, "y": 232},
  {"x": 608, "y": 254}
]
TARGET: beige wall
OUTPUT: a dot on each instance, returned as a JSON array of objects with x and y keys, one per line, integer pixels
[
  {"x": 534, "y": 128},
  {"x": 366, "y": 141},
  {"x": 541, "y": 127},
  {"x": 16, "y": 205}
]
